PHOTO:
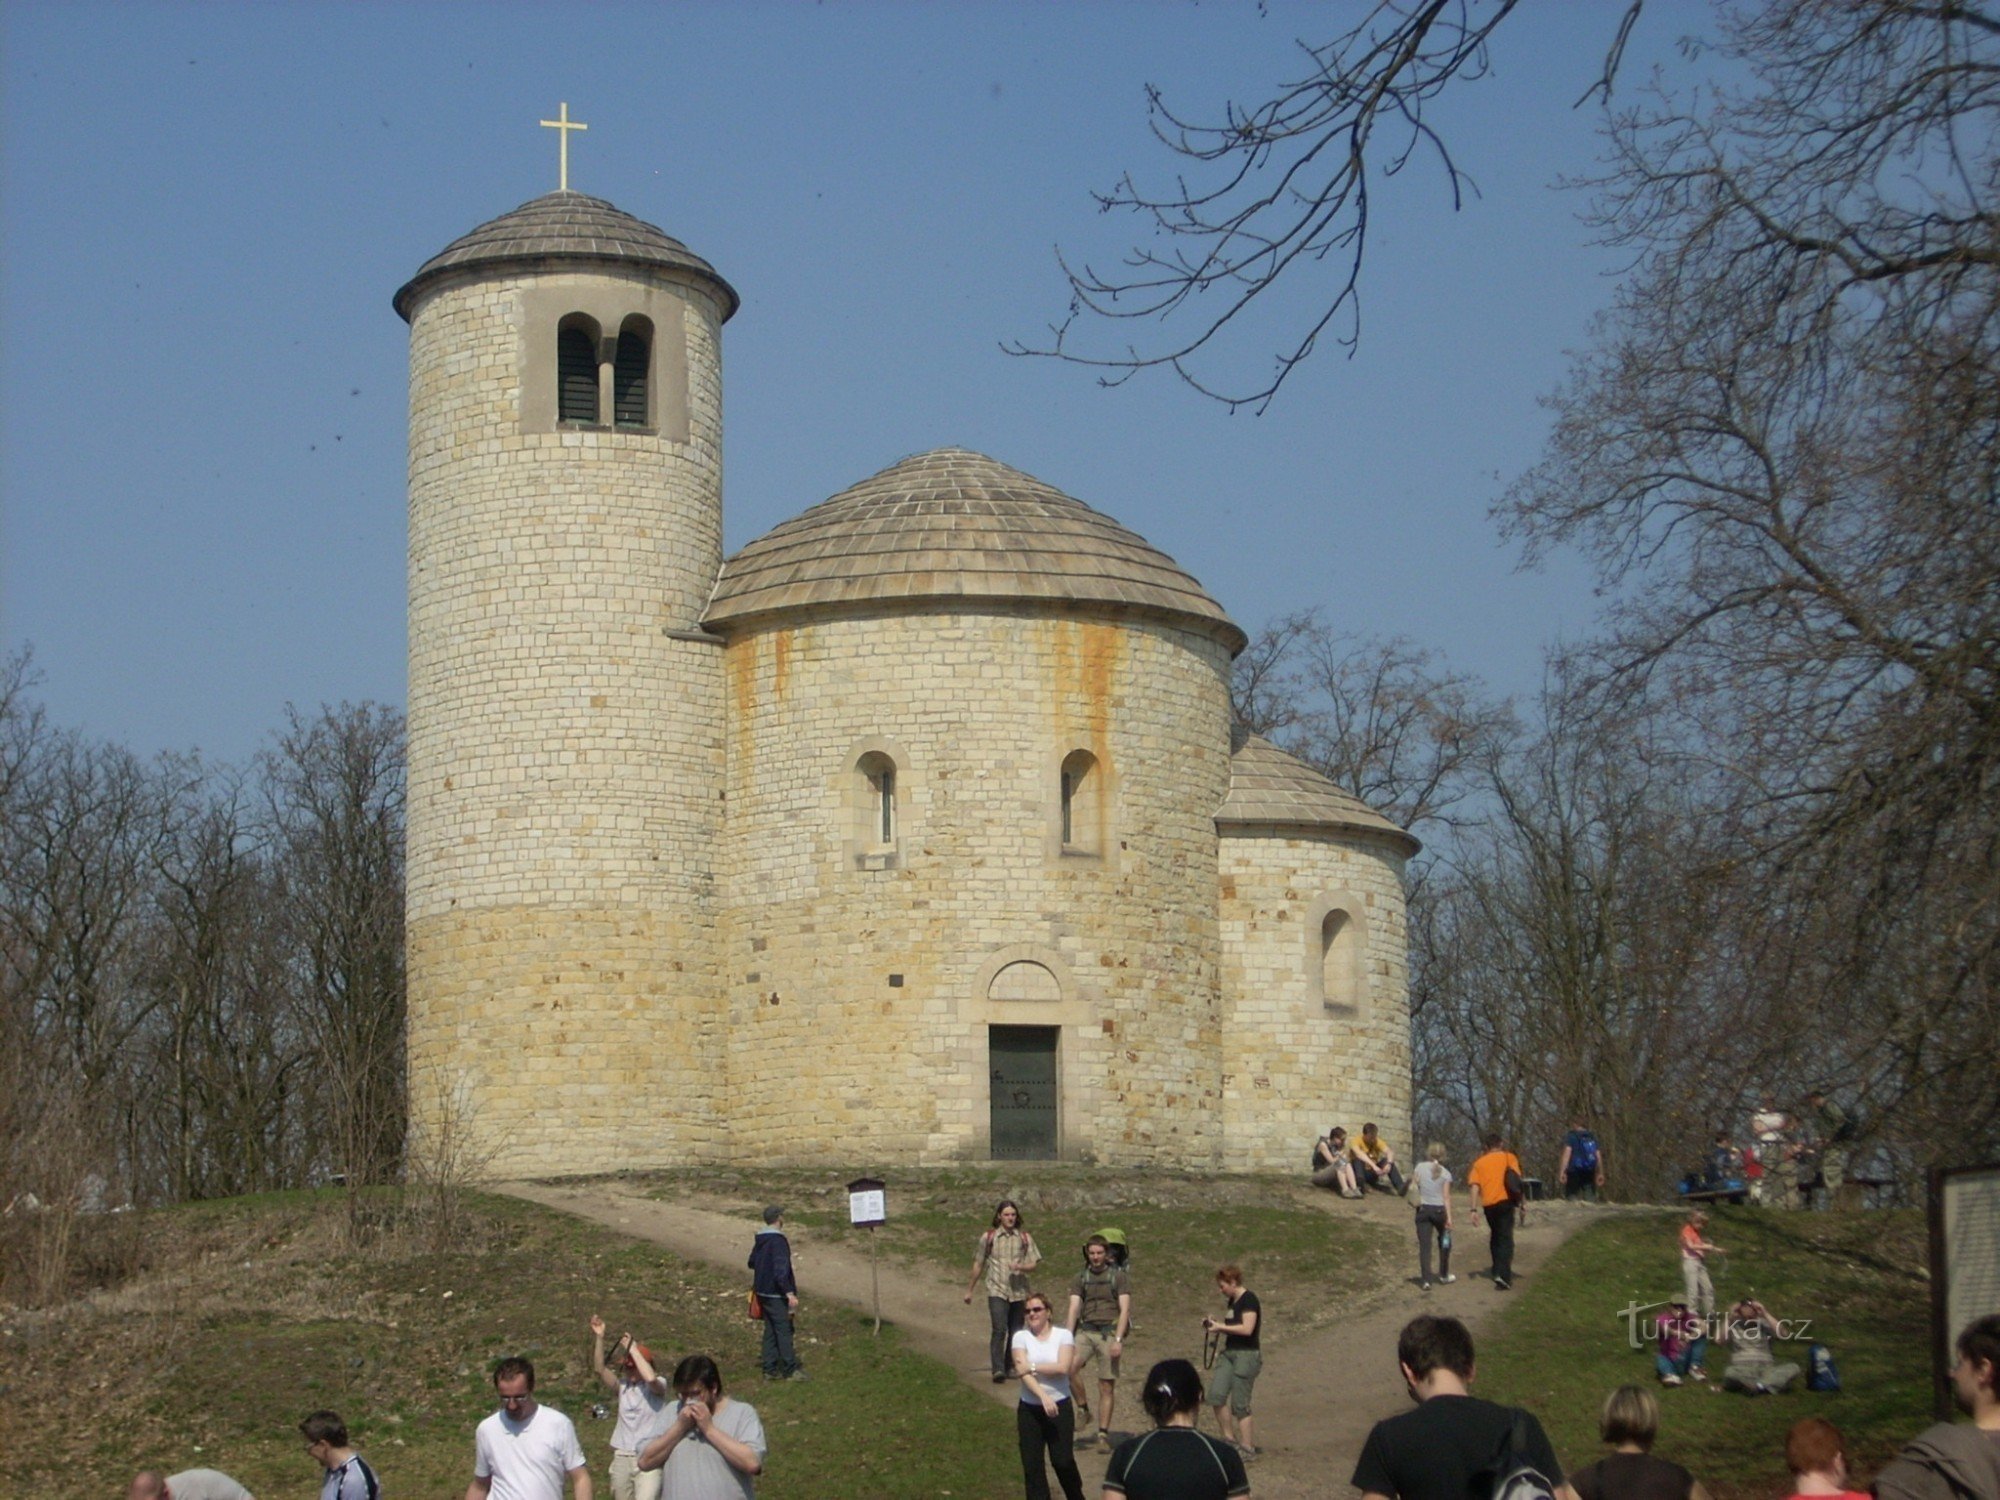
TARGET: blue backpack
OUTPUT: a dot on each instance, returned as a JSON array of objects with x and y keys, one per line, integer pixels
[
  {"x": 1583, "y": 1155},
  {"x": 1821, "y": 1373}
]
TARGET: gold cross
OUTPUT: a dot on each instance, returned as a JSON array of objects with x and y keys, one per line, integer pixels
[{"x": 564, "y": 124}]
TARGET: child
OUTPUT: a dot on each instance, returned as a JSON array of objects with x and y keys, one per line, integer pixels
[
  {"x": 1683, "y": 1345},
  {"x": 1695, "y": 1249}
]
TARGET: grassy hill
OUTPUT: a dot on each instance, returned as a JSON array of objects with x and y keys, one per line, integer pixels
[{"x": 1561, "y": 1345}]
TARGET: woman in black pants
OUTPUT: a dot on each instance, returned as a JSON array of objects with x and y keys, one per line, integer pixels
[{"x": 1044, "y": 1354}]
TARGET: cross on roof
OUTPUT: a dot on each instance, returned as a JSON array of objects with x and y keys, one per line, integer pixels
[{"x": 565, "y": 125}]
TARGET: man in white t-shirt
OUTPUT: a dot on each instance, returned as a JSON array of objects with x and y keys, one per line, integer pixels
[{"x": 524, "y": 1449}]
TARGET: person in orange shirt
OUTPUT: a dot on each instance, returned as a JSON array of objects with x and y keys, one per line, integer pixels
[
  {"x": 1498, "y": 1199},
  {"x": 1695, "y": 1282}
]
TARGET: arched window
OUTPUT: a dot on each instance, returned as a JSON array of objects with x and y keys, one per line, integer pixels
[
  {"x": 576, "y": 371},
  {"x": 1340, "y": 959},
  {"x": 1082, "y": 810},
  {"x": 631, "y": 402},
  {"x": 873, "y": 799}
]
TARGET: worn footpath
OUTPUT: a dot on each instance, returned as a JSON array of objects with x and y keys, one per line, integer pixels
[{"x": 1319, "y": 1393}]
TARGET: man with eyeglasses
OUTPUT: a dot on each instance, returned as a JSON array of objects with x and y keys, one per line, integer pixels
[{"x": 524, "y": 1449}]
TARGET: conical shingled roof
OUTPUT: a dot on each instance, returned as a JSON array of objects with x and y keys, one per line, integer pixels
[
  {"x": 1269, "y": 786},
  {"x": 950, "y": 525},
  {"x": 559, "y": 227}
]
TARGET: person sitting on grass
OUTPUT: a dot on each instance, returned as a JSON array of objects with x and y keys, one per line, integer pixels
[
  {"x": 1816, "y": 1453},
  {"x": 1683, "y": 1346},
  {"x": 1630, "y": 1422},
  {"x": 1750, "y": 1330},
  {"x": 1333, "y": 1166},
  {"x": 1375, "y": 1163}
]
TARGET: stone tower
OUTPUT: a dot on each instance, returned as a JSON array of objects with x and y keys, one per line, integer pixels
[{"x": 565, "y": 706}]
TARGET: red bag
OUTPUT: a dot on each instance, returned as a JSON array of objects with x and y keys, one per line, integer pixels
[{"x": 756, "y": 1308}]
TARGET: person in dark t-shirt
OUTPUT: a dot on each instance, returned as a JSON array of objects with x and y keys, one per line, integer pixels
[
  {"x": 1437, "y": 1451},
  {"x": 1242, "y": 1356},
  {"x": 1630, "y": 1422},
  {"x": 1173, "y": 1461}
]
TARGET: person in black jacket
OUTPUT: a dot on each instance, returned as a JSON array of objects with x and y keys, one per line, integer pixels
[{"x": 778, "y": 1292}]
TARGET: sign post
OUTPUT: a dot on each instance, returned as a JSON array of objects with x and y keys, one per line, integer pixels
[{"x": 868, "y": 1208}]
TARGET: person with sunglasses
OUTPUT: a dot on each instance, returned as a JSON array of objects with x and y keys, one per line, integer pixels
[{"x": 1045, "y": 1419}]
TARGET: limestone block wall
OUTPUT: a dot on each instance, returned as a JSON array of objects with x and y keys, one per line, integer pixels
[
  {"x": 565, "y": 762},
  {"x": 1304, "y": 1049},
  {"x": 862, "y": 976}
]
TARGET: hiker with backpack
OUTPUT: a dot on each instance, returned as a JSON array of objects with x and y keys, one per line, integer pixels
[
  {"x": 1495, "y": 1181},
  {"x": 1005, "y": 1256},
  {"x": 1582, "y": 1166},
  {"x": 1454, "y": 1444},
  {"x": 1630, "y": 1423}
]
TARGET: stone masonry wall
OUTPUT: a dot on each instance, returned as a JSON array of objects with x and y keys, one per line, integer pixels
[
  {"x": 1293, "y": 1064},
  {"x": 859, "y": 976},
  {"x": 565, "y": 745}
]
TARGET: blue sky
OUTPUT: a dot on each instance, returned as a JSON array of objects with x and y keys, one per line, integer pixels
[{"x": 204, "y": 211}]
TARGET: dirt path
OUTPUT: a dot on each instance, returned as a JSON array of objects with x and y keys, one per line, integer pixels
[{"x": 1316, "y": 1399}]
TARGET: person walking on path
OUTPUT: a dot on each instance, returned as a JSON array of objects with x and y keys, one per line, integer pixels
[
  {"x": 1100, "y": 1314},
  {"x": 1495, "y": 1183},
  {"x": 1444, "y": 1450},
  {"x": 1581, "y": 1167},
  {"x": 778, "y": 1292},
  {"x": 714, "y": 1447},
  {"x": 1174, "y": 1461},
  {"x": 1816, "y": 1453},
  {"x": 1433, "y": 1180},
  {"x": 642, "y": 1410},
  {"x": 524, "y": 1450},
  {"x": 1954, "y": 1460},
  {"x": 1697, "y": 1289},
  {"x": 1045, "y": 1417},
  {"x": 348, "y": 1476},
  {"x": 1239, "y": 1361},
  {"x": 1630, "y": 1422},
  {"x": 1005, "y": 1255}
]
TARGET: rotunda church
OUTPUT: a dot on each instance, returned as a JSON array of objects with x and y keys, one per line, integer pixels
[{"x": 914, "y": 832}]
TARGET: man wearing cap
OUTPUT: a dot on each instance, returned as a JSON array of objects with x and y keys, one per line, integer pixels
[
  {"x": 778, "y": 1293},
  {"x": 643, "y": 1411}
]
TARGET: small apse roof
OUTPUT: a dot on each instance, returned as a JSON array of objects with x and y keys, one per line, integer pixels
[
  {"x": 952, "y": 525},
  {"x": 558, "y": 229},
  {"x": 1267, "y": 786}
]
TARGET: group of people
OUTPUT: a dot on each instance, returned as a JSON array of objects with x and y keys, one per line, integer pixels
[
  {"x": 1454, "y": 1444},
  {"x": 1351, "y": 1167},
  {"x": 1027, "y": 1343}
]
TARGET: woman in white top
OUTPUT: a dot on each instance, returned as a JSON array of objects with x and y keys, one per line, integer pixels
[
  {"x": 1432, "y": 1181},
  {"x": 1045, "y": 1420}
]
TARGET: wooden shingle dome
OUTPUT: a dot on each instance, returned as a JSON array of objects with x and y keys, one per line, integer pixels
[{"x": 953, "y": 525}]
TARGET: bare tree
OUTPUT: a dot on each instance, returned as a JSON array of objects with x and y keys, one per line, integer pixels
[
  {"x": 1784, "y": 455},
  {"x": 1275, "y": 196},
  {"x": 1384, "y": 719},
  {"x": 335, "y": 792}
]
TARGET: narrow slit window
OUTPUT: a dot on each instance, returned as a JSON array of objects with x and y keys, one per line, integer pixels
[
  {"x": 576, "y": 374},
  {"x": 885, "y": 800},
  {"x": 631, "y": 377},
  {"x": 1082, "y": 813}
]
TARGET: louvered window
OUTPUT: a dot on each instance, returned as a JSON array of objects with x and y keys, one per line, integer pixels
[
  {"x": 576, "y": 375},
  {"x": 635, "y": 362}
]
